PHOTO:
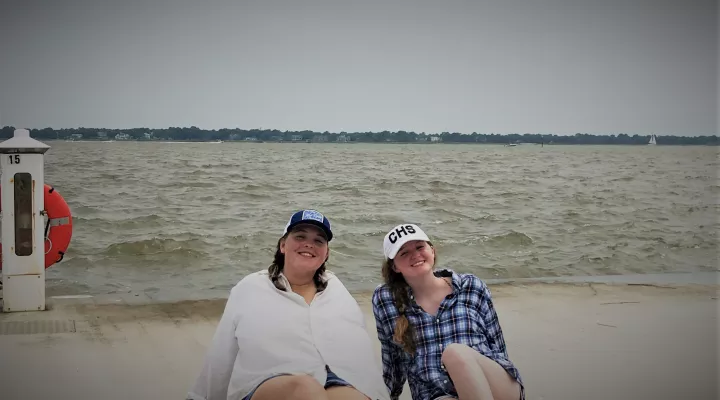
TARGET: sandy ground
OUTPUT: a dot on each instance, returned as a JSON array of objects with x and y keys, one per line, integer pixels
[{"x": 570, "y": 341}]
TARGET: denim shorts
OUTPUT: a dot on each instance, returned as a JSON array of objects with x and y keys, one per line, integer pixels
[{"x": 332, "y": 380}]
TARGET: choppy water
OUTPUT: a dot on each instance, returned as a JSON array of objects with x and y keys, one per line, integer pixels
[{"x": 196, "y": 216}]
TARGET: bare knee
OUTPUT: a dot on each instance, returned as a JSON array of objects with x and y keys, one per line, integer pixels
[
  {"x": 305, "y": 387},
  {"x": 455, "y": 357},
  {"x": 463, "y": 363}
]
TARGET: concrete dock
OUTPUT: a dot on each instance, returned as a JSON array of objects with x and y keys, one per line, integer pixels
[{"x": 570, "y": 341}]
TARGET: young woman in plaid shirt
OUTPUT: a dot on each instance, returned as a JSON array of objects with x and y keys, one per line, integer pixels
[{"x": 438, "y": 329}]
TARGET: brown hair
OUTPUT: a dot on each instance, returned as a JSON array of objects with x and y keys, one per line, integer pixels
[
  {"x": 278, "y": 265},
  {"x": 404, "y": 331}
]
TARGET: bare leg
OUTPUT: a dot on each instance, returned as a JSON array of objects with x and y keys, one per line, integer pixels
[
  {"x": 345, "y": 393},
  {"x": 295, "y": 387},
  {"x": 478, "y": 377},
  {"x": 503, "y": 386},
  {"x": 466, "y": 373}
]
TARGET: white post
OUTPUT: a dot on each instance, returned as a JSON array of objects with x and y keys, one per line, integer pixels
[{"x": 23, "y": 225}]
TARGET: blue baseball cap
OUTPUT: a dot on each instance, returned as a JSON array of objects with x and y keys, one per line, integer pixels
[{"x": 310, "y": 217}]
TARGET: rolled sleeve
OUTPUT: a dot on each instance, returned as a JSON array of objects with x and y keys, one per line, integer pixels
[{"x": 214, "y": 378}]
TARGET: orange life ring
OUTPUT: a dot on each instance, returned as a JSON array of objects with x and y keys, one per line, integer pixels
[{"x": 58, "y": 229}]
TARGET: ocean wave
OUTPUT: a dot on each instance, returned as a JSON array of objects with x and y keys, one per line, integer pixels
[
  {"x": 186, "y": 184},
  {"x": 449, "y": 185},
  {"x": 512, "y": 238},
  {"x": 251, "y": 195},
  {"x": 444, "y": 221},
  {"x": 220, "y": 165},
  {"x": 506, "y": 240},
  {"x": 260, "y": 187},
  {"x": 178, "y": 248},
  {"x": 111, "y": 221}
]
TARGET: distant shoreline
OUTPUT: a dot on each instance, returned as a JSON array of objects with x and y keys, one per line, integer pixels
[
  {"x": 379, "y": 143},
  {"x": 195, "y": 134}
]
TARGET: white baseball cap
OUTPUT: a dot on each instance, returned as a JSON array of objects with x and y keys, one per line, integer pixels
[{"x": 400, "y": 235}]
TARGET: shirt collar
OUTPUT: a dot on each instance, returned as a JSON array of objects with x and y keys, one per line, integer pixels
[
  {"x": 443, "y": 273},
  {"x": 284, "y": 282}
]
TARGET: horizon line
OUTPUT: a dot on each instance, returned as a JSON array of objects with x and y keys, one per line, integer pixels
[{"x": 359, "y": 132}]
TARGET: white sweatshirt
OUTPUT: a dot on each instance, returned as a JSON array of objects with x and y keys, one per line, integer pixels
[{"x": 265, "y": 331}]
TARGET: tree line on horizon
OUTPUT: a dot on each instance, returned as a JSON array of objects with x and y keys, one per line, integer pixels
[{"x": 194, "y": 133}]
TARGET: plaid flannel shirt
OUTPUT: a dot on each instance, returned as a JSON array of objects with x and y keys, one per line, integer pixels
[{"x": 466, "y": 316}]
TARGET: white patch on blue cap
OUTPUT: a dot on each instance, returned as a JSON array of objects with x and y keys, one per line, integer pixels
[{"x": 312, "y": 215}]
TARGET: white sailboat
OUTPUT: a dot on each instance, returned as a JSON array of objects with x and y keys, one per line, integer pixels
[{"x": 653, "y": 140}]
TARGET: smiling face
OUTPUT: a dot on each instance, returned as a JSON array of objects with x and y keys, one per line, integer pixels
[
  {"x": 305, "y": 249},
  {"x": 415, "y": 258}
]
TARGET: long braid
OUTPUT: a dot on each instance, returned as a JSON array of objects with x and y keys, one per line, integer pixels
[{"x": 404, "y": 331}]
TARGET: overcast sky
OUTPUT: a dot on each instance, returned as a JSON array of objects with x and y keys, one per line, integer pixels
[{"x": 505, "y": 66}]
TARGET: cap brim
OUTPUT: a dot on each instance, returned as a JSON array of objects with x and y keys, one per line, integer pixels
[
  {"x": 401, "y": 242},
  {"x": 322, "y": 227}
]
